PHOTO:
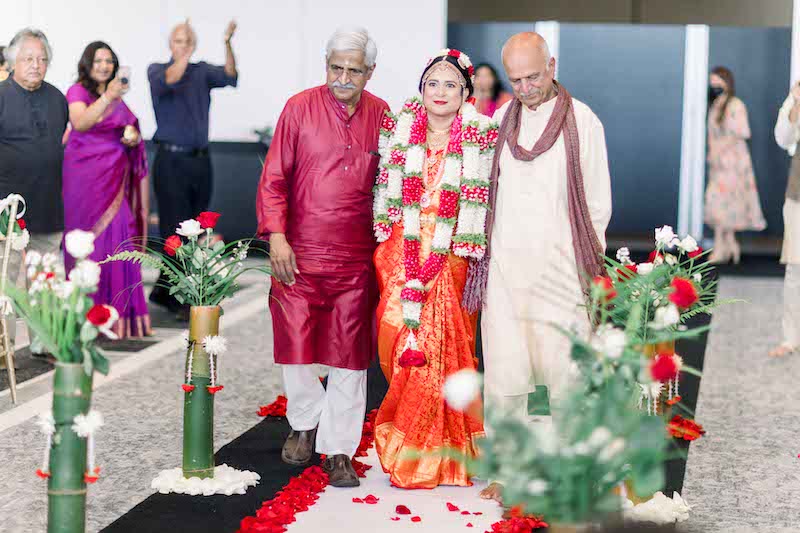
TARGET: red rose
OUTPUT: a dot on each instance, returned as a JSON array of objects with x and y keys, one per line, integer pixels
[
  {"x": 412, "y": 358},
  {"x": 606, "y": 286},
  {"x": 653, "y": 256},
  {"x": 98, "y": 315},
  {"x": 663, "y": 367},
  {"x": 627, "y": 272},
  {"x": 471, "y": 70},
  {"x": 454, "y": 53},
  {"x": 208, "y": 219},
  {"x": 684, "y": 293},
  {"x": 695, "y": 253},
  {"x": 21, "y": 223},
  {"x": 172, "y": 244}
]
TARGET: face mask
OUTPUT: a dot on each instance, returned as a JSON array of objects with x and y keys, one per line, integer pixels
[{"x": 714, "y": 93}]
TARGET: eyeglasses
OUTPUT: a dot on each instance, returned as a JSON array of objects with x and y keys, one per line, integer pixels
[
  {"x": 355, "y": 73},
  {"x": 30, "y": 60}
]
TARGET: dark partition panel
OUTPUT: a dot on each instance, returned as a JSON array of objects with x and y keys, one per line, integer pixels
[
  {"x": 760, "y": 59},
  {"x": 632, "y": 77}
]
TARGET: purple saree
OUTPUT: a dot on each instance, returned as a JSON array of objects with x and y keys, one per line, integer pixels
[{"x": 101, "y": 195}]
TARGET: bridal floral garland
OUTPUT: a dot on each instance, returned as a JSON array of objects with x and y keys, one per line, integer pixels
[{"x": 461, "y": 220}]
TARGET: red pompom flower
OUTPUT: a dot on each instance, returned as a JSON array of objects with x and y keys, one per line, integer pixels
[
  {"x": 663, "y": 367},
  {"x": 208, "y": 219},
  {"x": 172, "y": 244},
  {"x": 684, "y": 293}
]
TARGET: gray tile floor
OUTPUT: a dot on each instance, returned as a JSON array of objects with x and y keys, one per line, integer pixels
[{"x": 744, "y": 475}]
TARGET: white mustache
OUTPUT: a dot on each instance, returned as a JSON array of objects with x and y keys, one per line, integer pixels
[{"x": 339, "y": 85}]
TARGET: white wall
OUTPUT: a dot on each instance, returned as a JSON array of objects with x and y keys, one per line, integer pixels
[{"x": 279, "y": 46}]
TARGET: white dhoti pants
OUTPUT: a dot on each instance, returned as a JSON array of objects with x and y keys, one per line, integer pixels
[
  {"x": 791, "y": 306},
  {"x": 337, "y": 413}
]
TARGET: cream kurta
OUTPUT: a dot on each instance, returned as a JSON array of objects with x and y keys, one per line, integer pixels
[{"x": 533, "y": 279}]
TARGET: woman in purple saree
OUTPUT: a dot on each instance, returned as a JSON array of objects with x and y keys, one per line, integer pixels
[{"x": 106, "y": 185}]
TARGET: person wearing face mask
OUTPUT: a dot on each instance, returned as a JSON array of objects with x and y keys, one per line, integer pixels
[
  {"x": 314, "y": 205},
  {"x": 182, "y": 179},
  {"x": 550, "y": 206},
  {"x": 429, "y": 216},
  {"x": 731, "y": 202},
  {"x": 106, "y": 186}
]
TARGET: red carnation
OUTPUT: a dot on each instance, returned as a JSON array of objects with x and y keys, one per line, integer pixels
[
  {"x": 471, "y": 70},
  {"x": 695, "y": 253},
  {"x": 21, "y": 223},
  {"x": 208, "y": 219},
  {"x": 684, "y": 293},
  {"x": 685, "y": 429},
  {"x": 653, "y": 256},
  {"x": 172, "y": 244},
  {"x": 663, "y": 367},
  {"x": 606, "y": 286},
  {"x": 98, "y": 315},
  {"x": 454, "y": 53}
]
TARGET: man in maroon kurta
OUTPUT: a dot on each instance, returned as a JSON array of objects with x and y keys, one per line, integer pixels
[{"x": 314, "y": 205}]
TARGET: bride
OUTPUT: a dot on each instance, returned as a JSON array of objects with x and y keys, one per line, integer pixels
[{"x": 430, "y": 209}]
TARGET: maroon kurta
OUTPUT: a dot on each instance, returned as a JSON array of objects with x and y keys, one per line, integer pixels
[{"x": 316, "y": 187}]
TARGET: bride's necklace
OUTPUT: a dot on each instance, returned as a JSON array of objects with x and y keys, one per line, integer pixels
[{"x": 437, "y": 141}]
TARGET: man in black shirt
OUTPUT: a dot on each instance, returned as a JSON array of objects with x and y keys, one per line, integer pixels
[{"x": 33, "y": 117}]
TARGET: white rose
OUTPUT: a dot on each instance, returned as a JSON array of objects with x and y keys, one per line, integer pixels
[
  {"x": 33, "y": 258},
  {"x": 79, "y": 243},
  {"x": 665, "y": 317},
  {"x": 190, "y": 228},
  {"x": 461, "y": 388},
  {"x": 610, "y": 341},
  {"x": 644, "y": 269},
  {"x": 85, "y": 275},
  {"x": 688, "y": 244},
  {"x": 614, "y": 448},
  {"x": 665, "y": 236},
  {"x": 599, "y": 437},
  {"x": 64, "y": 289},
  {"x": 50, "y": 259},
  {"x": 537, "y": 487},
  {"x": 20, "y": 242}
]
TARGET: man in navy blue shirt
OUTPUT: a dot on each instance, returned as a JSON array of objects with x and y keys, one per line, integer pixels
[{"x": 181, "y": 93}]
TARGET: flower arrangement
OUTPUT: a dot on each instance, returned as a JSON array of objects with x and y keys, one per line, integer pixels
[
  {"x": 66, "y": 323},
  {"x": 571, "y": 472},
  {"x": 202, "y": 271}
]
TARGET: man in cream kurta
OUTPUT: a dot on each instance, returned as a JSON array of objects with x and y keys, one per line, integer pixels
[{"x": 533, "y": 278}]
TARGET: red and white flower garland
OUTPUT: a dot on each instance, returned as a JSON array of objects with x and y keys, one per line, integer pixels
[{"x": 461, "y": 220}]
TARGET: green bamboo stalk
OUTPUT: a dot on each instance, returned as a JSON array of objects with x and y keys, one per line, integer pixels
[
  {"x": 198, "y": 405},
  {"x": 66, "y": 489}
]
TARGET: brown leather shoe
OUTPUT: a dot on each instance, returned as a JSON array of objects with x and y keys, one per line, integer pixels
[
  {"x": 340, "y": 471},
  {"x": 299, "y": 447}
]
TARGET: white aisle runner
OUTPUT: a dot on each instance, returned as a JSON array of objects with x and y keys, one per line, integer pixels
[{"x": 335, "y": 511}]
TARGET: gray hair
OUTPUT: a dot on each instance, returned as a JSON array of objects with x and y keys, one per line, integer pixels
[
  {"x": 19, "y": 38},
  {"x": 353, "y": 39}
]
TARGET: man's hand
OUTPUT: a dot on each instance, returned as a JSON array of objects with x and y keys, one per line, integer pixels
[
  {"x": 282, "y": 259},
  {"x": 230, "y": 30}
]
